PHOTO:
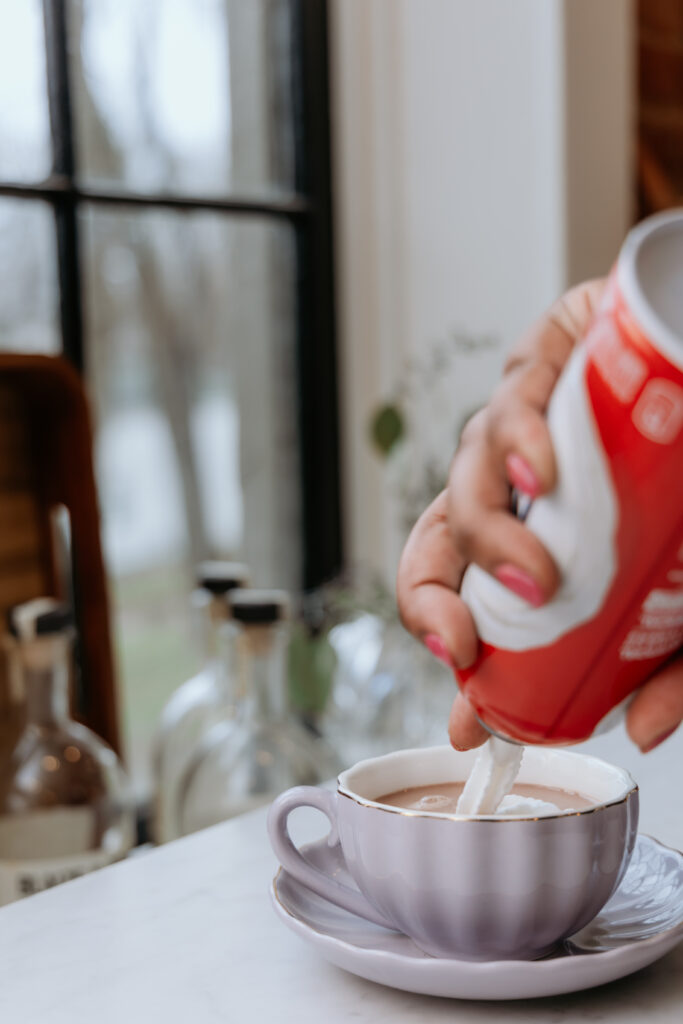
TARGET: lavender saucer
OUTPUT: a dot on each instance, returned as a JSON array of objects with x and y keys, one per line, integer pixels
[{"x": 639, "y": 924}]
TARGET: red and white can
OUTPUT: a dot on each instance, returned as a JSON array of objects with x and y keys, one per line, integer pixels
[{"x": 614, "y": 523}]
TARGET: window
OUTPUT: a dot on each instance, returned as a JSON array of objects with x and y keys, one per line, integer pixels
[{"x": 165, "y": 223}]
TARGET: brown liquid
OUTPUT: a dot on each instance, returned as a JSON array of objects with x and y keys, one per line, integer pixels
[{"x": 443, "y": 797}]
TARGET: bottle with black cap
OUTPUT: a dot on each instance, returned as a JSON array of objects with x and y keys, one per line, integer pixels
[
  {"x": 268, "y": 750},
  {"x": 202, "y": 701},
  {"x": 65, "y": 806}
]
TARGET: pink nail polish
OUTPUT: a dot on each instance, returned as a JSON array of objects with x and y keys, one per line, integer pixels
[
  {"x": 438, "y": 648},
  {"x": 521, "y": 475},
  {"x": 660, "y": 739},
  {"x": 520, "y": 583}
]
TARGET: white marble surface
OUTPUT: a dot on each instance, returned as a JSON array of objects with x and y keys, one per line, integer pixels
[{"x": 186, "y": 934}]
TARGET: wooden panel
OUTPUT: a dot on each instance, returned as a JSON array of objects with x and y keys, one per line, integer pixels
[
  {"x": 45, "y": 461},
  {"x": 665, "y": 139},
  {"x": 660, "y": 132},
  {"x": 22, "y": 582},
  {"x": 20, "y": 536},
  {"x": 664, "y": 17},
  {"x": 661, "y": 75},
  {"x": 23, "y": 572}
]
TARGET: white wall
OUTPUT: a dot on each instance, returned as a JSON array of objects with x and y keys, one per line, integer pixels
[{"x": 482, "y": 163}]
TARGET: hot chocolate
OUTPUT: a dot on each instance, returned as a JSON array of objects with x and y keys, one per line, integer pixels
[{"x": 443, "y": 797}]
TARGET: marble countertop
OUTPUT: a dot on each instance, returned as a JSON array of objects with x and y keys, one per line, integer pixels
[{"x": 186, "y": 934}]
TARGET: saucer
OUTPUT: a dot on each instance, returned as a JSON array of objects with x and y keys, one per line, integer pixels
[{"x": 639, "y": 924}]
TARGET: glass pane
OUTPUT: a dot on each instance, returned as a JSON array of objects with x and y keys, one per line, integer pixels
[
  {"x": 191, "y": 358},
  {"x": 29, "y": 299},
  {"x": 184, "y": 95},
  {"x": 25, "y": 150}
]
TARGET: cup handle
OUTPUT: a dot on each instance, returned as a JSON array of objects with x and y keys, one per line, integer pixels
[{"x": 290, "y": 857}]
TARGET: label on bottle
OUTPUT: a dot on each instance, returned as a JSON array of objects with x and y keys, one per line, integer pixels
[
  {"x": 659, "y": 630},
  {"x": 64, "y": 835}
]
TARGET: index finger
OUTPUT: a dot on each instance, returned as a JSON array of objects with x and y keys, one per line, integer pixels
[
  {"x": 517, "y": 426},
  {"x": 429, "y": 575},
  {"x": 552, "y": 338}
]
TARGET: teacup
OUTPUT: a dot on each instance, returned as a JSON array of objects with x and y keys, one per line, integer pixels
[{"x": 476, "y": 888}]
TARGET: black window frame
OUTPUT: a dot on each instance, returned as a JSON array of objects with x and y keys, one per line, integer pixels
[{"x": 308, "y": 209}]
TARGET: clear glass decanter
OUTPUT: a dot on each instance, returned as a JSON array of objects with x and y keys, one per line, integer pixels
[
  {"x": 267, "y": 750},
  {"x": 202, "y": 701},
  {"x": 65, "y": 806}
]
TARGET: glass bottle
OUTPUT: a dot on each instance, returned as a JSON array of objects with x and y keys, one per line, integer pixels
[
  {"x": 267, "y": 750},
  {"x": 201, "y": 701},
  {"x": 65, "y": 807}
]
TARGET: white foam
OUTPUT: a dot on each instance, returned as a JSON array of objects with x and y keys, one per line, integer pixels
[
  {"x": 528, "y": 806},
  {"x": 433, "y": 802}
]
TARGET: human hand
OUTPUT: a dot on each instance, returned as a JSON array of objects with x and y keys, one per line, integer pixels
[{"x": 506, "y": 444}]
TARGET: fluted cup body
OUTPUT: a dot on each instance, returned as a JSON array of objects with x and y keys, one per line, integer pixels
[{"x": 480, "y": 888}]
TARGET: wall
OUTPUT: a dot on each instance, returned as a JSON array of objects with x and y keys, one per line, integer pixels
[{"x": 482, "y": 163}]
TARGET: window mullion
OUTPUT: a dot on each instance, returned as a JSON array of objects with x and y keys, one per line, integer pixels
[
  {"x": 64, "y": 164},
  {"x": 317, "y": 367}
]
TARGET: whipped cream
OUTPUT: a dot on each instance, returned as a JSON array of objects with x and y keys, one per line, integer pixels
[
  {"x": 491, "y": 778},
  {"x": 487, "y": 790},
  {"x": 528, "y": 806}
]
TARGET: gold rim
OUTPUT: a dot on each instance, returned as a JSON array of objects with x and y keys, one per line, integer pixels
[{"x": 483, "y": 817}]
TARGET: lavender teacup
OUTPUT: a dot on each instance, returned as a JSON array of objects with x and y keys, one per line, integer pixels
[{"x": 477, "y": 888}]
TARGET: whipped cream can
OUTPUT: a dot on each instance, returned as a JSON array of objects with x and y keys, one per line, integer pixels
[{"x": 613, "y": 523}]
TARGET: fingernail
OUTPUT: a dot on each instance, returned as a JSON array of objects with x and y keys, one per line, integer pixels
[
  {"x": 520, "y": 583},
  {"x": 458, "y": 746},
  {"x": 660, "y": 739},
  {"x": 438, "y": 648},
  {"x": 521, "y": 475}
]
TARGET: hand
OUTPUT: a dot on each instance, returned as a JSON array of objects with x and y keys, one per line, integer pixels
[{"x": 508, "y": 444}]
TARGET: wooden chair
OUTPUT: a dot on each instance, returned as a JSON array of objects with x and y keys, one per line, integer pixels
[{"x": 46, "y": 461}]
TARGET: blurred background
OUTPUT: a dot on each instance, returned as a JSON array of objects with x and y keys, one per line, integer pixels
[{"x": 285, "y": 246}]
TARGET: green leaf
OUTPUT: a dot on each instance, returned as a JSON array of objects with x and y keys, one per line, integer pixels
[
  {"x": 387, "y": 428},
  {"x": 312, "y": 662}
]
